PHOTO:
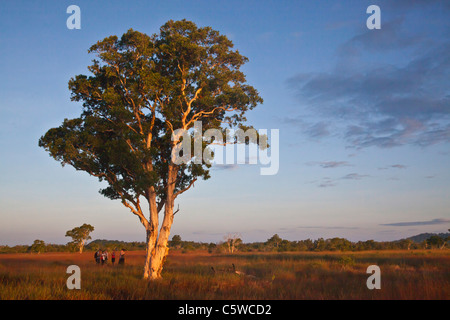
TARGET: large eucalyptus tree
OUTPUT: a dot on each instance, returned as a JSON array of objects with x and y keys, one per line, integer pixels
[{"x": 141, "y": 89}]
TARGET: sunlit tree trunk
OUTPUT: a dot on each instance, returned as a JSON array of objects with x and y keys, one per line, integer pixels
[
  {"x": 157, "y": 245},
  {"x": 151, "y": 232}
]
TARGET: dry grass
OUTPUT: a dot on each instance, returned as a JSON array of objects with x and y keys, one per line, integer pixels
[{"x": 285, "y": 276}]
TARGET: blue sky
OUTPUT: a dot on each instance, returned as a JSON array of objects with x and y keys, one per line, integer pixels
[{"x": 364, "y": 120}]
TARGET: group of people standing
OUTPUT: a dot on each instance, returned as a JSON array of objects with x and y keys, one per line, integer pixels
[{"x": 101, "y": 256}]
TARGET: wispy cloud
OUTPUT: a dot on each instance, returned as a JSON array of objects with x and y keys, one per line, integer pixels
[
  {"x": 329, "y": 164},
  {"x": 391, "y": 37},
  {"x": 417, "y": 223},
  {"x": 327, "y": 182},
  {"x": 314, "y": 131},
  {"x": 225, "y": 166},
  {"x": 354, "y": 176},
  {"x": 383, "y": 105},
  {"x": 396, "y": 166}
]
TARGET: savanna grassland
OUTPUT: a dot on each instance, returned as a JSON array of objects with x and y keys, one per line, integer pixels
[{"x": 415, "y": 274}]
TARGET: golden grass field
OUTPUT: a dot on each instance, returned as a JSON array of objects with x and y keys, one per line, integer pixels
[{"x": 415, "y": 274}]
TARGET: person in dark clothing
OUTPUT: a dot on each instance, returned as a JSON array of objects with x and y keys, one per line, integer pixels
[
  {"x": 122, "y": 257},
  {"x": 97, "y": 256}
]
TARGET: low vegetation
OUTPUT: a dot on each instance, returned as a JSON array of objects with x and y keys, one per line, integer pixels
[
  {"x": 234, "y": 244},
  {"x": 414, "y": 274}
]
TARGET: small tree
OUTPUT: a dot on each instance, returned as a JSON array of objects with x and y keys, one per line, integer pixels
[
  {"x": 80, "y": 235},
  {"x": 320, "y": 244},
  {"x": 435, "y": 241},
  {"x": 406, "y": 244},
  {"x": 274, "y": 241},
  {"x": 176, "y": 241},
  {"x": 38, "y": 246},
  {"x": 232, "y": 240}
]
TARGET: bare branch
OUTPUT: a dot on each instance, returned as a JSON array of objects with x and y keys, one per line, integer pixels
[
  {"x": 185, "y": 189},
  {"x": 178, "y": 209}
]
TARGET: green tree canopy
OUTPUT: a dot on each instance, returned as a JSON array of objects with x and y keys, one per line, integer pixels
[
  {"x": 274, "y": 241},
  {"x": 435, "y": 241},
  {"x": 80, "y": 235},
  {"x": 38, "y": 246},
  {"x": 176, "y": 241}
]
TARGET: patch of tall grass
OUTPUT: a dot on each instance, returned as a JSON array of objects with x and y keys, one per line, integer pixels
[{"x": 199, "y": 275}]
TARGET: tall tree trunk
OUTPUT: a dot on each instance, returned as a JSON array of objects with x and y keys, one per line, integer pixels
[
  {"x": 162, "y": 248},
  {"x": 151, "y": 233},
  {"x": 150, "y": 248},
  {"x": 157, "y": 245}
]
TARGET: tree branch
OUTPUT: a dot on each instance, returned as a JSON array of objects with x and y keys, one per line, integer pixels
[
  {"x": 178, "y": 209},
  {"x": 143, "y": 220},
  {"x": 185, "y": 189}
]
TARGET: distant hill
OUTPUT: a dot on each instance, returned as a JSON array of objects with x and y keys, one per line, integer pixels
[{"x": 424, "y": 236}]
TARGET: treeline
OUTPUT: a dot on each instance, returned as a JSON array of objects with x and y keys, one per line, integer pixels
[
  {"x": 31, "y": 249},
  {"x": 40, "y": 246},
  {"x": 234, "y": 244},
  {"x": 117, "y": 245},
  {"x": 277, "y": 244}
]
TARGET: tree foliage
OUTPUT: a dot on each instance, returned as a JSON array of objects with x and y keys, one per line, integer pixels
[
  {"x": 38, "y": 246},
  {"x": 142, "y": 88},
  {"x": 80, "y": 235}
]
